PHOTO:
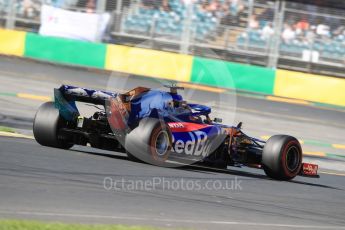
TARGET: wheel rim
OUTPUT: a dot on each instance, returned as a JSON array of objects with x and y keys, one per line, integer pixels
[
  {"x": 162, "y": 143},
  {"x": 292, "y": 158}
]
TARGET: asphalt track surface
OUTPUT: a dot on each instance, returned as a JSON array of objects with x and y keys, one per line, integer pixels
[{"x": 68, "y": 185}]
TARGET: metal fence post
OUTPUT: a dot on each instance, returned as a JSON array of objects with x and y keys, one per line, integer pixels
[
  {"x": 10, "y": 21},
  {"x": 186, "y": 34},
  {"x": 250, "y": 15},
  {"x": 100, "y": 9},
  {"x": 276, "y": 39},
  {"x": 118, "y": 15}
]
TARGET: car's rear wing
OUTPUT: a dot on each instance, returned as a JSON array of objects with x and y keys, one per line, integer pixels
[
  {"x": 72, "y": 93},
  {"x": 66, "y": 96}
]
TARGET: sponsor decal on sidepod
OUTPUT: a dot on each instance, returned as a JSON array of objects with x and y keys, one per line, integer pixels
[{"x": 196, "y": 142}]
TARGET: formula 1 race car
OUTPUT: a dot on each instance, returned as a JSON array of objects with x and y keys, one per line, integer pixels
[{"x": 159, "y": 127}]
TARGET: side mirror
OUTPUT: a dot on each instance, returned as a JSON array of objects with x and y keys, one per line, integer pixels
[
  {"x": 239, "y": 126},
  {"x": 218, "y": 120}
]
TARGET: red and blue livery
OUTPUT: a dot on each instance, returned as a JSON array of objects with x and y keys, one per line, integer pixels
[{"x": 159, "y": 127}]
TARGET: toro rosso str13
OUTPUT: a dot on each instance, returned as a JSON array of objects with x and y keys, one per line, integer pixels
[{"x": 161, "y": 128}]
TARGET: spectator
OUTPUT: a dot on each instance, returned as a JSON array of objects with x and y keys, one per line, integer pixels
[
  {"x": 301, "y": 27},
  {"x": 288, "y": 34},
  {"x": 323, "y": 30},
  {"x": 266, "y": 15},
  {"x": 227, "y": 18},
  {"x": 90, "y": 5},
  {"x": 303, "y": 24},
  {"x": 30, "y": 9},
  {"x": 229, "y": 12},
  {"x": 236, "y": 6},
  {"x": 340, "y": 31},
  {"x": 151, "y": 4},
  {"x": 214, "y": 7},
  {"x": 202, "y": 7},
  {"x": 310, "y": 35},
  {"x": 165, "y": 5},
  {"x": 253, "y": 22},
  {"x": 267, "y": 31}
]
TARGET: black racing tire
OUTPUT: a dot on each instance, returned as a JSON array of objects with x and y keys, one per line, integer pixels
[
  {"x": 149, "y": 142},
  {"x": 46, "y": 125},
  {"x": 282, "y": 157},
  {"x": 131, "y": 157}
]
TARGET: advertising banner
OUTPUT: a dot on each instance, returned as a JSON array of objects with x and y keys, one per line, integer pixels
[{"x": 70, "y": 24}]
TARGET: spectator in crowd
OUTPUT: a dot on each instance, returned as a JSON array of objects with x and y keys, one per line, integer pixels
[
  {"x": 213, "y": 7},
  {"x": 233, "y": 7},
  {"x": 221, "y": 9},
  {"x": 288, "y": 34},
  {"x": 236, "y": 6},
  {"x": 30, "y": 8},
  {"x": 27, "y": 8},
  {"x": 90, "y": 5},
  {"x": 151, "y": 4},
  {"x": 301, "y": 27},
  {"x": 228, "y": 18},
  {"x": 266, "y": 15},
  {"x": 323, "y": 30},
  {"x": 333, "y": 22},
  {"x": 267, "y": 31},
  {"x": 340, "y": 31},
  {"x": 165, "y": 5},
  {"x": 202, "y": 7},
  {"x": 162, "y": 5},
  {"x": 253, "y": 22},
  {"x": 303, "y": 24},
  {"x": 310, "y": 35}
]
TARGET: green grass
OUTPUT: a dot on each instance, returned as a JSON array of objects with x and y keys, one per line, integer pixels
[
  {"x": 6, "y": 129},
  {"x": 38, "y": 225}
]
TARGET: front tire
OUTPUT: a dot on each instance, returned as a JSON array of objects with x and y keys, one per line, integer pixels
[
  {"x": 282, "y": 157},
  {"x": 47, "y": 123}
]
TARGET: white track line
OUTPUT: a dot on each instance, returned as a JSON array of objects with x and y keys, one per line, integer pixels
[{"x": 187, "y": 221}]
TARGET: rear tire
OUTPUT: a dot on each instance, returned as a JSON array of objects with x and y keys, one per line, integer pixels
[
  {"x": 150, "y": 142},
  {"x": 282, "y": 157},
  {"x": 46, "y": 125},
  {"x": 133, "y": 158}
]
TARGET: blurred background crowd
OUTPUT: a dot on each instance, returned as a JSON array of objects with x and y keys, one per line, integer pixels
[{"x": 258, "y": 27}]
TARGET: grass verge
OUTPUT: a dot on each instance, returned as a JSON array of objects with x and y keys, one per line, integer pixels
[
  {"x": 6, "y": 129},
  {"x": 38, "y": 225}
]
